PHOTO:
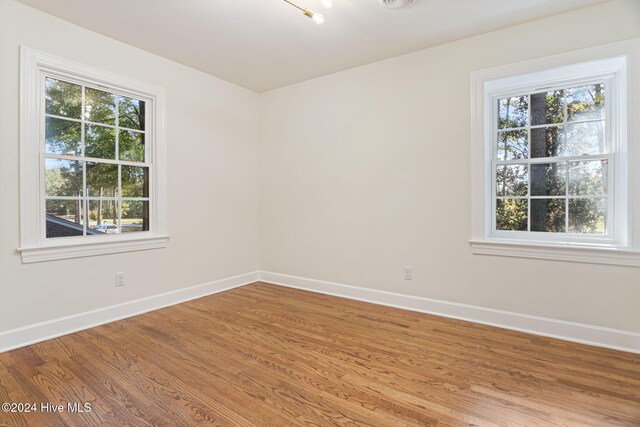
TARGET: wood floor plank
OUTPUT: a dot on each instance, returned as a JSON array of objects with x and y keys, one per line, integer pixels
[{"x": 265, "y": 355}]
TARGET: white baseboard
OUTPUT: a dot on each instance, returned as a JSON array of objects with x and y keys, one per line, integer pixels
[
  {"x": 568, "y": 331},
  {"x": 560, "y": 329},
  {"x": 43, "y": 331}
]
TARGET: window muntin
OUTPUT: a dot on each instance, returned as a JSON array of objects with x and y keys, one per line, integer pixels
[
  {"x": 551, "y": 163},
  {"x": 95, "y": 160}
]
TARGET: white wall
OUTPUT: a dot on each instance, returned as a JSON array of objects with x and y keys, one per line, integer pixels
[
  {"x": 212, "y": 193},
  {"x": 356, "y": 179}
]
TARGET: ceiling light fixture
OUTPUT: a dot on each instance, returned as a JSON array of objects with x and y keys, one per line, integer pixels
[
  {"x": 315, "y": 17},
  {"x": 395, "y": 4}
]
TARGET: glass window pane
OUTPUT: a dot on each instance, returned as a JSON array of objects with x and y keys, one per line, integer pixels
[
  {"x": 513, "y": 145},
  {"x": 588, "y": 178},
  {"x": 512, "y": 180},
  {"x": 513, "y": 112},
  {"x": 103, "y": 217},
  {"x": 100, "y": 142},
  {"x": 132, "y": 113},
  {"x": 548, "y": 179},
  {"x": 547, "y": 107},
  {"x": 62, "y": 98},
  {"x": 62, "y": 136},
  {"x": 547, "y": 142},
  {"x": 548, "y": 215},
  {"x": 102, "y": 180},
  {"x": 586, "y": 102},
  {"x": 588, "y": 215},
  {"x": 131, "y": 146},
  {"x": 135, "y": 216},
  {"x": 64, "y": 218},
  {"x": 100, "y": 106},
  {"x": 585, "y": 138},
  {"x": 63, "y": 178},
  {"x": 135, "y": 181},
  {"x": 511, "y": 214}
]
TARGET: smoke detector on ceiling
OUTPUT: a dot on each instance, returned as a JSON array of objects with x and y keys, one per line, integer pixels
[{"x": 395, "y": 4}]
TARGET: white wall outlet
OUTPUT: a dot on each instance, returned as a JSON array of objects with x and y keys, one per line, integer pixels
[
  {"x": 120, "y": 278},
  {"x": 407, "y": 273}
]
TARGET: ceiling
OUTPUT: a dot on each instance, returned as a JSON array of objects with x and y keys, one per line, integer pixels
[{"x": 265, "y": 44}]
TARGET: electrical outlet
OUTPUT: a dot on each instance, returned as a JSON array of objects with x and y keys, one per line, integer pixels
[
  {"x": 407, "y": 273},
  {"x": 120, "y": 278}
]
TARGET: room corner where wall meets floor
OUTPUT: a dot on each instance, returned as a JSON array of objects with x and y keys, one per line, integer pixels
[
  {"x": 574, "y": 332},
  {"x": 569, "y": 331}
]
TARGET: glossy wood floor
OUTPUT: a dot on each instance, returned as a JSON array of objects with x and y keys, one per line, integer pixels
[{"x": 270, "y": 356}]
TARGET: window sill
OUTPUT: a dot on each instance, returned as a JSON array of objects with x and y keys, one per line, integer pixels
[
  {"x": 558, "y": 252},
  {"x": 80, "y": 250}
]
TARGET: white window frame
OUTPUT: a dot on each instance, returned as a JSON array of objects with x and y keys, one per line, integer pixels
[
  {"x": 616, "y": 64},
  {"x": 35, "y": 247}
]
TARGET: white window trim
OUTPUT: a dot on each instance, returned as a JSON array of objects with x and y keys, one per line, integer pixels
[
  {"x": 34, "y": 246},
  {"x": 625, "y": 248}
]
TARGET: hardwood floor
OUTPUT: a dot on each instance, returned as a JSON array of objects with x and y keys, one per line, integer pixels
[{"x": 265, "y": 355}]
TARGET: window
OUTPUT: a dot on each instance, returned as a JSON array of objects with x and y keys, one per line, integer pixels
[
  {"x": 95, "y": 161},
  {"x": 92, "y": 158},
  {"x": 551, "y": 159}
]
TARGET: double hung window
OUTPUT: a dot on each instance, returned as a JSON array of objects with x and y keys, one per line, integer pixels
[
  {"x": 93, "y": 175},
  {"x": 551, "y": 162},
  {"x": 96, "y": 165},
  {"x": 552, "y": 157}
]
